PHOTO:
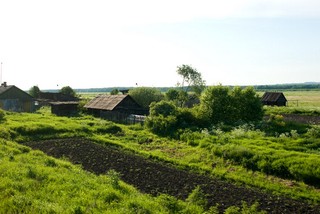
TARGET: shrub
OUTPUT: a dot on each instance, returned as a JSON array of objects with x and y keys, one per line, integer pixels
[
  {"x": 163, "y": 126},
  {"x": 163, "y": 108},
  {"x": 313, "y": 132}
]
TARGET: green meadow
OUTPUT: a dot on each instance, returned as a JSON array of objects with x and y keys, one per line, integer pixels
[{"x": 282, "y": 158}]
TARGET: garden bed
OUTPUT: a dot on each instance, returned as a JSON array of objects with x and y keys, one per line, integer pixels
[{"x": 156, "y": 178}]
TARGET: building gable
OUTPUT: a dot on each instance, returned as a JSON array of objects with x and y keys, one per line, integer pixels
[{"x": 274, "y": 98}]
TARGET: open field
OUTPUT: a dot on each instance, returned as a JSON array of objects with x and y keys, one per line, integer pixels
[{"x": 304, "y": 99}]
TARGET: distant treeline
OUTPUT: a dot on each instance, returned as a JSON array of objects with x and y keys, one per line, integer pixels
[
  {"x": 276, "y": 87},
  {"x": 300, "y": 86}
]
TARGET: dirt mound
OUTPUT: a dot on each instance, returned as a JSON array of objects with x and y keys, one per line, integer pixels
[
  {"x": 155, "y": 178},
  {"x": 307, "y": 119}
]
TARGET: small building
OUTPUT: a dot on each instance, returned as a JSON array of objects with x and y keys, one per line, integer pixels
[
  {"x": 274, "y": 99},
  {"x": 14, "y": 99},
  {"x": 114, "y": 107},
  {"x": 46, "y": 98},
  {"x": 64, "y": 108}
]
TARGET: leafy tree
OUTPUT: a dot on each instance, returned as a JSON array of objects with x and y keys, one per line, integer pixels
[
  {"x": 166, "y": 119},
  {"x": 163, "y": 108},
  {"x": 179, "y": 97},
  {"x": 221, "y": 104},
  {"x": 34, "y": 91},
  {"x": 216, "y": 104},
  {"x": 172, "y": 94},
  {"x": 192, "y": 78},
  {"x": 67, "y": 90},
  {"x": 248, "y": 104},
  {"x": 145, "y": 95},
  {"x": 114, "y": 91}
]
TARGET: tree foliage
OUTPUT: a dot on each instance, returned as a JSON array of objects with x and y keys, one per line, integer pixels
[
  {"x": 144, "y": 96},
  {"x": 114, "y": 91},
  {"x": 34, "y": 91},
  {"x": 221, "y": 104},
  {"x": 166, "y": 119},
  {"x": 179, "y": 97},
  {"x": 192, "y": 78},
  {"x": 163, "y": 108},
  {"x": 67, "y": 90}
]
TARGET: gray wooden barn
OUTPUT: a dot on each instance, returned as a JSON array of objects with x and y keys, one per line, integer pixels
[
  {"x": 114, "y": 107},
  {"x": 14, "y": 99},
  {"x": 274, "y": 99}
]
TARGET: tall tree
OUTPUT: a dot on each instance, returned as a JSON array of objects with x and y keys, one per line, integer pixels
[
  {"x": 192, "y": 78},
  {"x": 144, "y": 96},
  {"x": 114, "y": 91},
  {"x": 221, "y": 104},
  {"x": 34, "y": 91},
  {"x": 67, "y": 90}
]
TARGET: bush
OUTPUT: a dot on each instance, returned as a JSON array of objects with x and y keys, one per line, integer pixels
[
  {"x": 163, "y": 108},
  {"x": 163, "y": 126},
  {"x": 313, "y": 132}
]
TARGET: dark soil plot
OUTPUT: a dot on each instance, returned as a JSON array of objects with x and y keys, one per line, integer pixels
[
  {"x": 307, "y": 119},
  {"x": 155, "y": 178}
]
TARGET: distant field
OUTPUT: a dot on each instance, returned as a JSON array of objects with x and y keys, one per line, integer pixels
[
  {"x": 310, "y": 99},
  {"x": 303, "y": 98}
]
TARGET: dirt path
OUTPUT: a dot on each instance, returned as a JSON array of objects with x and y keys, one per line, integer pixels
[{"x": 154, "y": 178}]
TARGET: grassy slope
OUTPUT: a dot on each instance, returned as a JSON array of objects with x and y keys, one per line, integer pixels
[
  {"x": 189, "y": 154},
  {"x": 35, "y": 183}
]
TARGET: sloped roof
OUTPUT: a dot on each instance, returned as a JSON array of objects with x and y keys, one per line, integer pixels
[
  {"x": 7, "y": 88},
  {"x": 106, "y": 102},
  {"x": 272, "y": 96}
]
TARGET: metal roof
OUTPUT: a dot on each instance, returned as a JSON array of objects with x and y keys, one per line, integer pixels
[{"x": 106, "y": 101}]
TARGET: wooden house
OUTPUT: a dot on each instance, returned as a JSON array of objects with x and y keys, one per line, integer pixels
[
  {"x": 14, "y": 99},
  {"x": 274, "y": 99},
  {"x": 114, "y": 107}
]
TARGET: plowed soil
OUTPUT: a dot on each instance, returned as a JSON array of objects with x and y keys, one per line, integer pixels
[{"x": 154, "y": 178}]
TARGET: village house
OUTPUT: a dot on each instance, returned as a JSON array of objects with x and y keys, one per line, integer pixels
[
  {"x": 14, "y": 99},
  {"x": 114, "y": 107},
  {"x": 274, "y": 99}
]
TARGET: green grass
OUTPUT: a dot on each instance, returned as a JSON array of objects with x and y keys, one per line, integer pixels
[
  {"x": 222, "y": 154},
  {"x": 299, "y": 102},
  {"x": 32, "y": 182}
]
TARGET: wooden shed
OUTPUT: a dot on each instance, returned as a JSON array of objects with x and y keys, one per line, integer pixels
[
  {"x": 114, "y": 107},
  {"x": 274, "y": 99},
  {"x": 14, "y": 99},
  {"x": 46, "y": 98},
  {"x": 64, "y": 108}
]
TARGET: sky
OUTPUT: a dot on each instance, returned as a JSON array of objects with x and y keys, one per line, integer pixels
[{"x": 125, "y": 43}]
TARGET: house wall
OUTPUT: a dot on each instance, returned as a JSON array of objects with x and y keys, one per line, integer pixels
[
  {"x": 17, "y": 105},
  {"x": 16, "y": 100}
]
